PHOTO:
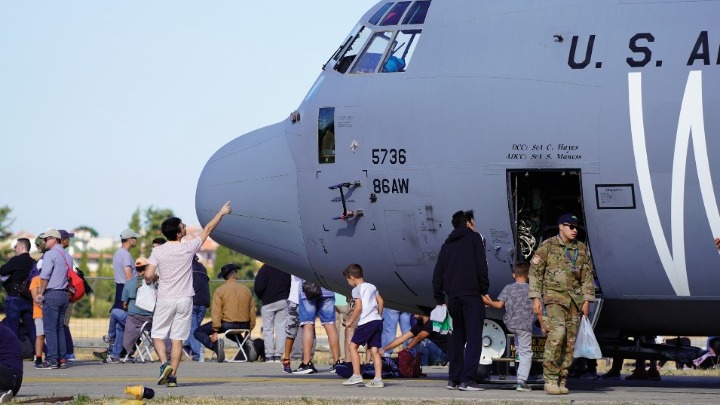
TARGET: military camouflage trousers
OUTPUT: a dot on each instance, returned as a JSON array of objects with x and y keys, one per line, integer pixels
[{"x": 562, "y": 326}]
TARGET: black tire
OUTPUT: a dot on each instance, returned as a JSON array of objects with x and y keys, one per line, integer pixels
[{"x": 483, "y": 372}]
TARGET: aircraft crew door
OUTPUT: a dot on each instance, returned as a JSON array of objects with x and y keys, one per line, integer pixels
[{"x": 537, "y": 199}]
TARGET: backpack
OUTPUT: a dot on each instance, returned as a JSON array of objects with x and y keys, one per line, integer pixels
[
  {"x": 367, "y": 370},
  {"x": 23, "y": 289},
  {"x": 409, "y": 364}
]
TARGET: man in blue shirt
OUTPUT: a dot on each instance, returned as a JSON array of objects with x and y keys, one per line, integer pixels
[{"x": 53, "y": 298}]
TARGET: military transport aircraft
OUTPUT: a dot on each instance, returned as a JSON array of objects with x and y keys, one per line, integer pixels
[{"x": 522, "y": 110}]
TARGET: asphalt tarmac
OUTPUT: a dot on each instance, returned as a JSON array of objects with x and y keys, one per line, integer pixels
[{"x": 266, "y": 380}]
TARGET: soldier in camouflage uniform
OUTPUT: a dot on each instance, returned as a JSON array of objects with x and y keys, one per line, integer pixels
[{"x": 561, "y": 274}]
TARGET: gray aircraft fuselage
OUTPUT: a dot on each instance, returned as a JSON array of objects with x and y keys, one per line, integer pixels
[{"x": 621, "y": 98}]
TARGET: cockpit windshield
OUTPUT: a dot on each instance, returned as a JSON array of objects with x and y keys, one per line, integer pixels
[{"x": 388, "y": 50}]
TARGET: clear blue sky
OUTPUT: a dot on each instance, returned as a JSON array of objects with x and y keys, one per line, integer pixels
[{"x": 110, "y": 106}]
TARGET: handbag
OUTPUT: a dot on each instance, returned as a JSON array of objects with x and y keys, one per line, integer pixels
[
  {"x": 585, "y": 344},
  {"x": 146, "y": 297},
  {"x": 311, "y": 289}
]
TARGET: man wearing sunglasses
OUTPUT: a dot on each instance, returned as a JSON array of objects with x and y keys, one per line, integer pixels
[{"x": 561, "y": 278}]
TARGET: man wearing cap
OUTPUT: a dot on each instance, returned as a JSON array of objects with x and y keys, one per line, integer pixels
[
  {"x": 123, "y": 270},
  {"x": 561, "y": 278},
  {"x": 136, "y": 316},
  {"x": 69, "y": 344},
  {"x": 53, "y": 298},
  {"x": 173, "y": 311},
  {"x": 233, "y": 307},
  {"x": 17, "y": 306}
]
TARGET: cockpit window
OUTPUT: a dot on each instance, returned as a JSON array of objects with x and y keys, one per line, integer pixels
[
  {"x": 401, "y": 51},
  {"x": 393, "y": 17},
  {"x": 378, "y": 15},
  {"x": 326, "y": 135},
  {"x": 417, "y": 13},
  {"x": 352, "y": 51},
  {"x": 375, "y": 50}
]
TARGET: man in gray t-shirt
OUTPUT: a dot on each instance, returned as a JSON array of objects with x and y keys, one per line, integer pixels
[{"x": 518, "y": 319}]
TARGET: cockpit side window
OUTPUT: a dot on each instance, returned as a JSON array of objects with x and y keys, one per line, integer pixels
[
  {"x": 352, "y": 51},
  {"x": 326, "y": 135},
  {"x": 393, "y": 17},
  {"x": 370, "y": 58},
  {"x": 401, "y": 51},
  {"x": 417, "y": 13},
  {"x": 378, "y": 15}
]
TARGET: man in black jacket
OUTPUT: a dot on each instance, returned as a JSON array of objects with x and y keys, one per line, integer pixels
[
  {"x": 272, "y": 286},
  {"x": 461, "y": 273},
  {"x": 17, "y": 306}
]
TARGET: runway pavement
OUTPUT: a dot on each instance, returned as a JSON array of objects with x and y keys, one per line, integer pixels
[{"x": 266, "y": 380}]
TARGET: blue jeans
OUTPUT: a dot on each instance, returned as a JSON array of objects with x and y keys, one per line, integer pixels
[
  {"x": 198, "y": 314},
  {"x": 54, "y": 308},
  {"x": 324, "y": 307},
  {"x": 16, "y": 309},
  {"x": 118, "y": 317},
  {"x": 391, "y": 317}
]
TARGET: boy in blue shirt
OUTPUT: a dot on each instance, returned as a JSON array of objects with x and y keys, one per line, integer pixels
[
  {"x": 518, "y": 319},
  {"x": 367, "y": 310}
]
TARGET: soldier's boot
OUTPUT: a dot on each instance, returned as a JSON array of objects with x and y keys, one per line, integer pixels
[
  {"x": 552, "y": 388},
  {"x": 561, "y": 386}
]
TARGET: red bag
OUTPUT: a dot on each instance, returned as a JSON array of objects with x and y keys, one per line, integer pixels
[
  {"x": 409, "y": 364},
  {"x": 76, "y": 285}
]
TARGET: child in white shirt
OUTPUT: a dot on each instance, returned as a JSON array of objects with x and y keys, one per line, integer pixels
[{"x": 368, "y": 307}]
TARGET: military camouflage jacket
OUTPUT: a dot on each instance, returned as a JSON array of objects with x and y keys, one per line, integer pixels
[{"x": 555, "y": 279}]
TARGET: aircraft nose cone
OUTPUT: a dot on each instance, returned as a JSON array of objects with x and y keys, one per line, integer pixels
[{"x": 256, "y": 173}]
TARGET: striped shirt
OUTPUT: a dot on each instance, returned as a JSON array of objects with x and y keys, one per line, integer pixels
[{"x": 174, "y": 267}]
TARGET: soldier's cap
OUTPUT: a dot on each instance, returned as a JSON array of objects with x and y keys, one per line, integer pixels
[
  {"x": 129, "y": 233},
  {"x": 568, "y": 219},
  {"x": 227, "y": 269},
  {"x": 50, "y": 233},
  {"x": 65, "y": 234}
]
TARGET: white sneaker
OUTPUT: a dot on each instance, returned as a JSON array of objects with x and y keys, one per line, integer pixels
[
  {"x": 375, "y": 384},
  {"x": 6, "y": 396},
  {"x": 353, "y": 380}
]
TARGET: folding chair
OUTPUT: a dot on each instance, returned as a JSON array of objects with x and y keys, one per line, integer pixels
[
  {"x": 240, "y": 337},
  {"x": 143, "y": 346}
]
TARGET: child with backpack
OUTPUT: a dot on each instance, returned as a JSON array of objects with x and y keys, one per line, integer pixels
[{"x": 367, "y": 309}]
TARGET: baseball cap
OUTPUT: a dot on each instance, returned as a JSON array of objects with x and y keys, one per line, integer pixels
[
  {"x": 568, "y": 219},
  {"x": 129, "y": 233},
  {"x": 50, "y": 233},
  {"x": 65, "y": 234},
  {"x": 141, "y": 261}
]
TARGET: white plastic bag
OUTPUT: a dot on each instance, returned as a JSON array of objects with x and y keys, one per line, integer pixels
[
  {"x": 146, "y": 297},
  {"x": 586, "y": 345}
]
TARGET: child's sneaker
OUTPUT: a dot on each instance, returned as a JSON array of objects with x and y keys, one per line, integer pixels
[
  {"x": 286, "y": 366},
  {"x": 353, "y": 380},
  {"x": 165, "y": 371},
  {"x": 306, "y": 369},
  {"x": 172, "y": 382},
  {"x": 46, "y": 366},
  {"x": 522, "y": 386},
  {"x": 375, "y": 384}
]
